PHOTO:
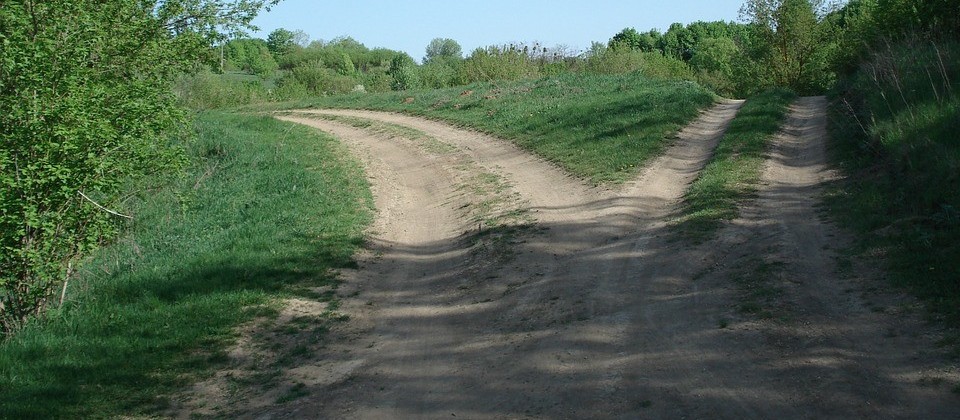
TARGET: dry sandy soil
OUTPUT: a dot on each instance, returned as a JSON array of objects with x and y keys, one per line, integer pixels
[{"x": 572, "y": 301}]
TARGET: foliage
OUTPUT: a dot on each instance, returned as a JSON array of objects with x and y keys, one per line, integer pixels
[
  {"x": 444, "y": 49},
  {"x": 895, "y": 126},
  {"x": 734, "y": 171},
  {"x": 250, "y": 55},
  {"x": 404, "y": 72},
  {"x": 714, "y": 60},
  {"x": 282, "y": 42},
  {"x": 600, "y": 127},
  {"x": 206, "y": 90},
  {"x": 629, "y": 38},
  {"x": 438, "y": 74},
  {"x": 650, "y": 64},
  {"x": 249, "y": 224},
  {"x": 498, "y": 63},
  {"x": 86, "y": 108},
  {"x": 791, "y": 42},
  {"x": 318, "y": 79}
]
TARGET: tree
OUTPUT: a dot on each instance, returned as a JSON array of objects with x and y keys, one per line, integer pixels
[
  {"x": 677, "y": 42},
  {"x": 280, "y": 42},
  {"x": 791, "y": 41},
  {"x": 628, "y": 38},
  {"x": 443, "y": 49},
  {"x": 86, "y": 110},
  {"x": 251, "y": 55}
]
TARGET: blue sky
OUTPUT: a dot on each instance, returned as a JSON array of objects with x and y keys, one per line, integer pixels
[{"x": 410, "y": 25}]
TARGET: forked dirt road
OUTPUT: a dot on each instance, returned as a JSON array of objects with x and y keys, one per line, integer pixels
[{"x": 596, "y": 309}]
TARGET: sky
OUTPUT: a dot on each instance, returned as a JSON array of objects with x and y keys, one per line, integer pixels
[{"x": 409, "y": 25}]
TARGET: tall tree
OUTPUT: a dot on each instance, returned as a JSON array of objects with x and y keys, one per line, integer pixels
[
  {"x": 281, "y": 42},
  {"x": 443, "y": 49},
  {"x": 790, "y": 39}
]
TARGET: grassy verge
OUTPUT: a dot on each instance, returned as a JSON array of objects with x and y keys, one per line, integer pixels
[
  {"x": 895, "y": 128},
  {"x": 599, "y": 127},
  {"x": 732, "y": 174},
  {"x": 267, "y": 212}
]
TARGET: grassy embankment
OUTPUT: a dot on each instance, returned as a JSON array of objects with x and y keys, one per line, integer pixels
[
  {"x": 603, "y": 128},
  {"x": 895, "y": 131},
  {"x": 732, "y": 174},
  {"x": 266, "y": 212}
]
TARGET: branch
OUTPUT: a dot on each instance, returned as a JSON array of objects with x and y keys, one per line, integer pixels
[{"x": 102, "y": 207}]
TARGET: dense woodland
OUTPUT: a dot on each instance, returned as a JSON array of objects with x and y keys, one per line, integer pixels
[{"x": 97, "y": 101}]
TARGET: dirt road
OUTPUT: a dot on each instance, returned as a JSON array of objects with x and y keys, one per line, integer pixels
[{"x": 589, "y": 307}]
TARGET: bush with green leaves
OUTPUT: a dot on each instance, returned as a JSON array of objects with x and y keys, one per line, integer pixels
[
  {"x": 206, "y": 90},
  {"x": 498, "y": 63},
  {"x": 438, "y": 74},
  {"x": 317, "y": 79},
  {"x": 250, "y": 55},
  {"x": 405, "y": 73},
  {"x": 86, "y": 111},
  {"x": 650, "y": 64}
]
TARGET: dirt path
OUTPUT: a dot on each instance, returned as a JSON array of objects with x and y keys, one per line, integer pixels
[{"x": 600, "y": 312}]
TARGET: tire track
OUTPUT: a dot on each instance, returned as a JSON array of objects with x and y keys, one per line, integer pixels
[
  {"x": 601, "y": 313},
  {"x": 529, "y": 308}
]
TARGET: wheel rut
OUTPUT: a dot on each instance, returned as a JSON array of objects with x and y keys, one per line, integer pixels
[{"x": 588, "y": 307}]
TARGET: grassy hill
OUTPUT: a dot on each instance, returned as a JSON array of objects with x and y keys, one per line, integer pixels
[{"x": 603, "y": 128}]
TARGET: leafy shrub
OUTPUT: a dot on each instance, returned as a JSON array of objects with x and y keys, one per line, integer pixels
[
  {"x": 438, "y": 74},
  {"x": 650, "y": 64},
  {"x": 206, "y": 90},
  {"x": 377, "y": 80},
  {"x": 250, "y": 55},
  {"x": 498, "y": 63},
  {"x": 404, "y": 72},
  {"x": 318, "y": 80}
]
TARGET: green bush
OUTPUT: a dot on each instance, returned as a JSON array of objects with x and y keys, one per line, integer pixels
[
  {"x": 650, "y": 64},
  {"x": 438, "y": 74},
  {"x": 377, "y": 80},
  {"x": 405, "y": 73},
  {"x": 497, "y": 63},
  {"x": 317, "y": 80},
  {"x": 206, "y": 90}
]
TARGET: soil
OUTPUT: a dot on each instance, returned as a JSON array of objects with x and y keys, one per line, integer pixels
[{"x": 589, "y": 306}]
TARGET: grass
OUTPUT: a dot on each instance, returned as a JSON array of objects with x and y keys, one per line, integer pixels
[
  {"x": 895, "y": 126},
  {"x": 602, "y": 128},
  {"x": 733, "y": 172},
  {"x": 268, "y": 211}
]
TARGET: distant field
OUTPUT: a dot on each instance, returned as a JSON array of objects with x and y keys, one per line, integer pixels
[{"x": 603, "y": 128}]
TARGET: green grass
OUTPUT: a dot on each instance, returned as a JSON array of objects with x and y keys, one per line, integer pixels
[
  {"x": 895, "y": 137},
  {"x": 267, "y": 211},
  {"x": 733, "y": 172},
  {"x": 603, "y": 128}
]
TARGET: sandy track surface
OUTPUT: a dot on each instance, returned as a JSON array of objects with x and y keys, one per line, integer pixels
[{"x": 599, "y": 311}]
